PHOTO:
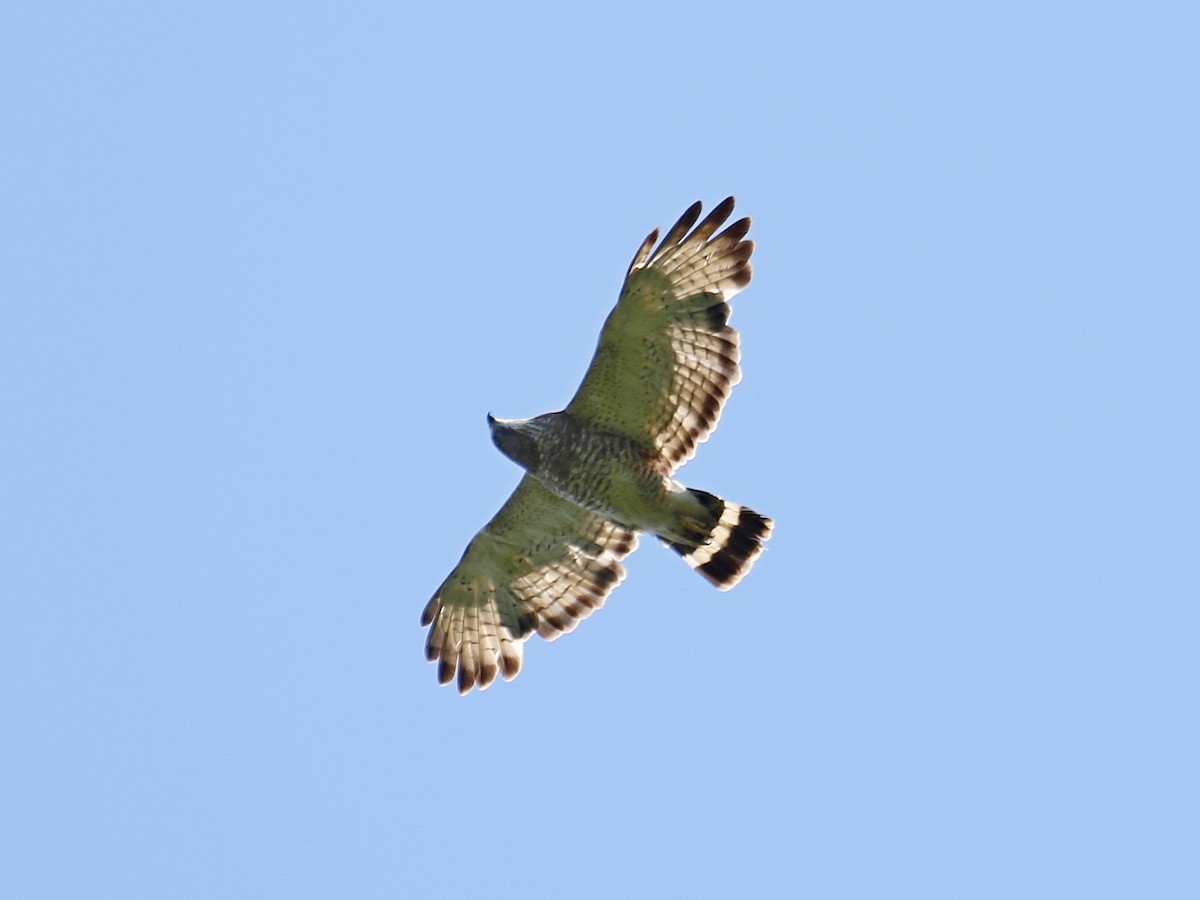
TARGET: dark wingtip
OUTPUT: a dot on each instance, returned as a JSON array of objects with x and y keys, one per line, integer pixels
[
  {"x": 680, "y": 229},
  {"x": 466, "y": 680},
  {"x": 429, "y": 611},
  {"x": 738, "y": 230},
  {"x": 526, "y": 624}
]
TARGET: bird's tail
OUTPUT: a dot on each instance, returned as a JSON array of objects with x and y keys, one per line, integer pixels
[{"x": 728, "y": 539}]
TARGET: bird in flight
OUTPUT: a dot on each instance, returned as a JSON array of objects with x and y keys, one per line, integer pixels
[{"x": 600, "y": 471}]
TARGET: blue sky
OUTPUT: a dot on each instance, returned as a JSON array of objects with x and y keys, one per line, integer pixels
[{"x": 267, "y": 267}]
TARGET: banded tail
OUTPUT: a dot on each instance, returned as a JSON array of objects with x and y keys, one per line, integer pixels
[{"x": 732, "y": 538}]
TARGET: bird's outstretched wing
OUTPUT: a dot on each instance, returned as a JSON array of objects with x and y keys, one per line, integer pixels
[
  {"x": 667, "y": 359},
  {"x": 541, "y": 564}
]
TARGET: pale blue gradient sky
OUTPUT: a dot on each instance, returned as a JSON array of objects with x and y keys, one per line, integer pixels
[{"x": 266, "y": 269}]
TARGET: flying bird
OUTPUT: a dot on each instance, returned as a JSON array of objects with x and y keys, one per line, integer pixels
[{"x": 600, "y": 471}]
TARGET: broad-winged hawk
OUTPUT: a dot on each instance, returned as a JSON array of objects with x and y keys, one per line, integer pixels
[{"x": 600, "y": 471}]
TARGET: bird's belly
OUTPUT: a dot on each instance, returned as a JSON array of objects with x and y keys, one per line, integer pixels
[{"x": 629, "y": 495}]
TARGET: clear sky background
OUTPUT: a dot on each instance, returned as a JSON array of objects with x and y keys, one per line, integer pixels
[{"x": 268, "y": 266}]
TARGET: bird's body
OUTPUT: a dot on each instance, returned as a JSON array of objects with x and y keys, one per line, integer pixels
[
  {"x": 608, "y": 474},
  {"x": 600, "y": 471}
]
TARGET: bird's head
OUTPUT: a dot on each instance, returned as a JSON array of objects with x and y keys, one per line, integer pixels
[{"x": 514, "y": 440}]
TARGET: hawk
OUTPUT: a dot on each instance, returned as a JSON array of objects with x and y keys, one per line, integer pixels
[{"x": 599, "y": 471}]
